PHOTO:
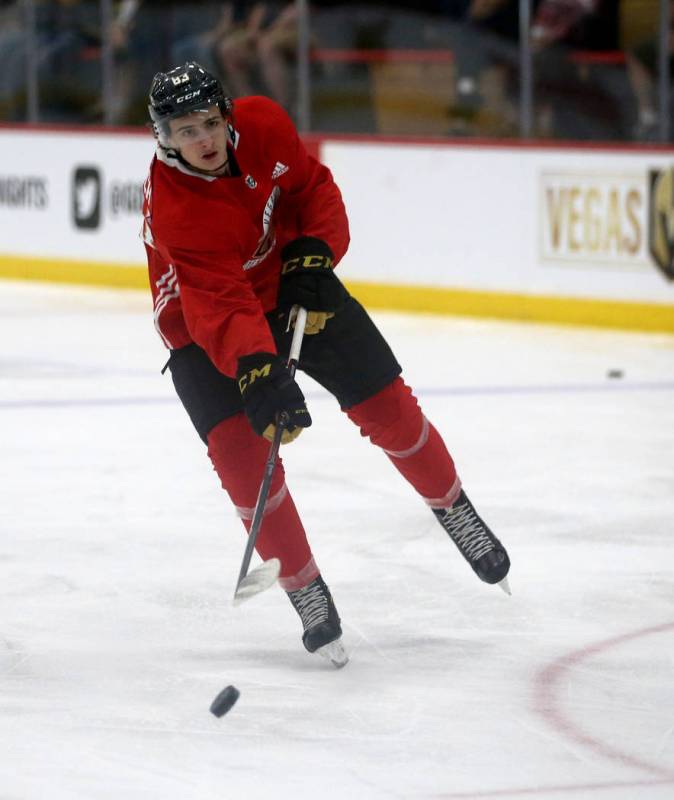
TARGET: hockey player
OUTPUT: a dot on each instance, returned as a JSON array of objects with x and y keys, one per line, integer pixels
[{"x": 240, "y": 224}]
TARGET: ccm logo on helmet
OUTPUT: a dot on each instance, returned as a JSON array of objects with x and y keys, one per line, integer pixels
[{"x": 188, "y": 96}]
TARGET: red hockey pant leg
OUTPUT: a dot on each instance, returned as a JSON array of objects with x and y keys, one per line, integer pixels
[
  {"x": 239, "y": 456},
  {"x": 393, "y": 421}
]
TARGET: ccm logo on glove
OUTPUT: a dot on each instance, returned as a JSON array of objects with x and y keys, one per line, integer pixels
[
  {"x": 308, "y": 280},
  {"x": 268, "y": 390},
  {"x": 256, "y": 372},
  {"x": 307, "y": 262}
]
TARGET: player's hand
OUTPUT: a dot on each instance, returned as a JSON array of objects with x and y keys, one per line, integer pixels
[
  {"x": 316, "y": 321},
  {"x": 286, "y": 436},
  {"x": 308, "y": 280},
  {"x": 268, "y": 390}
]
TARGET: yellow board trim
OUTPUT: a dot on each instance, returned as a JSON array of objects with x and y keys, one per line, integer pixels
[
  {"x": 505, "y": 305},
  {"x": 656, "y": 317},
  {"x": 88, "y": 273}
]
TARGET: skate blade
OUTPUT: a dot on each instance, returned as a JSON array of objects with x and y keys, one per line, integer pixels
[
  {"x": 335, "y": 653},
  {"x": 257, "y": 581},
  {"x": 505, "y": 586}
]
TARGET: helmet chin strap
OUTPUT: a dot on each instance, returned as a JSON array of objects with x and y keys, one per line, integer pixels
[
  {"x": 217, "y": 169},
  {"x": 177, "y": 154}
]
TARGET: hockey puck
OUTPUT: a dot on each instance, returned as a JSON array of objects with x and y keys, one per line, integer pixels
[
  {"x": 224, "y": 701},
  {"x": 615, "y": 373}
]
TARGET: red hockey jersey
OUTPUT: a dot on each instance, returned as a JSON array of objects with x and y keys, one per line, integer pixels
[{"x": 213, "y": 244}]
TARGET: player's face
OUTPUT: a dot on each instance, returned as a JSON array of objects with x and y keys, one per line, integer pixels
[{"x": 201, "y": 138}]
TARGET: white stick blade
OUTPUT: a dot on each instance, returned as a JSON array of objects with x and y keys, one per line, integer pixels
[{"x": 257, "y": 580}]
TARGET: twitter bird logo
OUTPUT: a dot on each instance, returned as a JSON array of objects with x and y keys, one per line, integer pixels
[{"x": 86, "y": 197}]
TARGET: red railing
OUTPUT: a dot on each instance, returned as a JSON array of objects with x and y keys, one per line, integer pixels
[
  {"x": 409, "y": 56},
  {"x": 382, "y": 56}
]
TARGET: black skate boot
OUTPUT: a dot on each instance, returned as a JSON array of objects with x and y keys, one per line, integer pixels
[
  {"x": 477, "y": 544},
  {"x": 322, "y": 629}
]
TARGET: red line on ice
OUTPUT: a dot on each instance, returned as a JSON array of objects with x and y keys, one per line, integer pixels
[
  {"x": 547, "y": 704},
  {"x": 545, "y": 790}
]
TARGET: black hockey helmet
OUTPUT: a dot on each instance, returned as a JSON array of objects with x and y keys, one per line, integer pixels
[{"x": 183, "y": 90}]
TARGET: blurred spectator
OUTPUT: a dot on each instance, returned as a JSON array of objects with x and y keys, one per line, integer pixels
[
  {"x": 250, "y": 45},
  {"x": 216, "y": 21},
  {"x": 485, "y": 43},
  {"x": 68, "y": 39},
  {"x": 497, "y": 22},
  {"x": 562, "y": 21},
  {"x": 63, "y": 30},
  {"x": 263, "y": 37},
  {"x": 642, "y": 67},
  {"x": 122, "y": 26},
  {"x": 574, "y": 99},
  {"x": 142, "y": 35},
  {"x": 12, "y": 58}
]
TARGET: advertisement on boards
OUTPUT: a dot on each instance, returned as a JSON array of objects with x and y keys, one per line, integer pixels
[
  {"x": 550, "y": 222},
  {"x": 74, "y": 195},
  {"x": 616, "y": 220}
]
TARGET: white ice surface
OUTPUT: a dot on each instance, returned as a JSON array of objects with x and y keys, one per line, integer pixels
[{"x": 119, "y": 553}]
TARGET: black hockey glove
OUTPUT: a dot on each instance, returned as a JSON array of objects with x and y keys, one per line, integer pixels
[
  {"x": 268, "y": 390},
  {"x": 308, "y": 280}
]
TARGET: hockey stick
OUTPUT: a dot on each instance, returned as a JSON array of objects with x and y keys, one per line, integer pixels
[{"x": 262, "y": 577}]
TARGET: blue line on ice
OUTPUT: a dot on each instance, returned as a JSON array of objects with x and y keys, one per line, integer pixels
[{"x": 575, "y": 388}]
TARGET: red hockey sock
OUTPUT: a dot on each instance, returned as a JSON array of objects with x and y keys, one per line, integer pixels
[
  {"x": 393, "y": 421},
  {"x": 239, "y": 456}
]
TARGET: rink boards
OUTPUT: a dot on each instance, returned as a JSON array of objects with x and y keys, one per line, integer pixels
[{"x": 567, "y": 234}]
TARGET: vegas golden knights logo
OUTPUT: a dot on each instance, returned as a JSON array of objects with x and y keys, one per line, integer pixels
[{"x": 661, "y": 220}]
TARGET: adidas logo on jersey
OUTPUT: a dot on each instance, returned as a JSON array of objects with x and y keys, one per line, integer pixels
[{"x": 279, "y": 170}]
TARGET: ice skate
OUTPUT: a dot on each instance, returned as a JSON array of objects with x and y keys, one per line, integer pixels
[
  {"x": 476, "y": 543},
  {"x": 322, "y": 629}
]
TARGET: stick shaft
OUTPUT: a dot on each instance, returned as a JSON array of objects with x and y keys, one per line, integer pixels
[{"x": 270, "y": 464}]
